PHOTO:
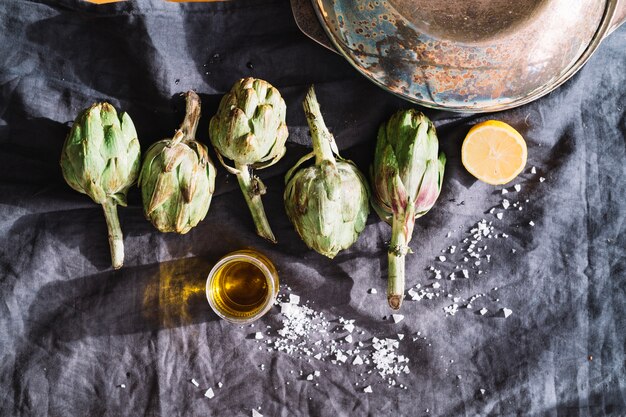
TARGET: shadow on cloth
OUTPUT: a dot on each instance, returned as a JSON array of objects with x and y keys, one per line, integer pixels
[{"x": 131, "y": 300}]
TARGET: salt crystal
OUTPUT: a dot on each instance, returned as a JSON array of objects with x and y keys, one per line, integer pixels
[
  {"x": 316, "y": 373},
  {"x": 499, "y": 216},
  {"x": 436, "y": 285},
  {"x": 477, "y": 263},
  {"x": 442, "y": 258},
  {"x": 482, "y": 391},
  {"x": 513, "y": 251},
  {"x": 373, "y": 291},
  {"x": 294, "y": 299},
  {"x": 492, "y": 210},
  {"x": 531, "y": 223},
  {"x": 449, "y": 234},
  {"x": 209, "y": 393},
  {"x": 340, "y": 356},
  {"x": 488, "y": 258},
  {"x": 194, "y": 382},
  {"x": 452, "y": 276},
  {"x": 368, "y": 389},
  {"x": 348, "y": 338},
  {"x": 533, "y": 170},
  {"x": 506, "y": 312},
  {"x": 465, "y": 273},
  {"x": 397, "y": 318},
  {"x": 256, "y": 414},
  {"x": 451, "y": 309},
  {"x": 357, "y": 360},
  {"x": 220, "y": 385},
  {"x": 541, "y": 179},
  {"x": 483, "y": 311},
  {"x": 505, "y": 204},
  {"x": 349, "y": 327},
  {"x": 452, "y": 249},
  {"x": 400, "y": 336},
  {"x": 517, "y": 187},
  {"x": 258, "y": 335},
  {"x": 309, "y": 377},
  {"x": 504, "y": 191},
  {"x": 122, "y": 385}
]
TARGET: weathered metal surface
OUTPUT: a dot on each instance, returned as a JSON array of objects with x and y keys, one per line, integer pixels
[{"x": 467, "y": 55}]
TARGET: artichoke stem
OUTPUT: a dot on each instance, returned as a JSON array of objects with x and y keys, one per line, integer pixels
[
  {"x": 252, "y": 194},
  {"x": 192, "y": 117},
  {"x": 116, "y": 240},
  {"x": 398, "y": 248},
  {"x": 321, "y": 137}
]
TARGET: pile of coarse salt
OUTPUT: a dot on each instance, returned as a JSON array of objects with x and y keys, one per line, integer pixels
[{"x": 310, "y": 335}]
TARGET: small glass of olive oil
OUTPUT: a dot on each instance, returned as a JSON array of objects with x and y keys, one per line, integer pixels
[{"x": 242, "y": 286}]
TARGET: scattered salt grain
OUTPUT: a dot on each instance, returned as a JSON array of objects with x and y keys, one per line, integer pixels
[
  {"x": 442, "y": 258},
  {"x": 541, "y": 179},
  {"x": 357, "y": 360},
  {"x": 373, "y": 291},
  {"x": 517, "y": 187},
  {"x": 195, "y": 383},
  {"x": 256, "y": 414},
  {"x": 349, "y": 327},
  {"x": 400, "y": 336},
  {"x": 294, "y": 299},
  {"x": 482, "y": 391},
  {"x": 258, "y": 335},
  {"x": 397, "y": 318},
  {"x": 483, "y": 311},
  {"x": 368, "y": 389},
  {"x": 309, "y": 377},
  {"x": 436, "y": 285},
  {"x": 504, "y": 191},
  {"x": 348, "y": 338},
  {"x": 499, "y": 216},
  {"x": 465, "y": 273},
  {"x": 531, "y": 223},
  {"x": 533, "y": 170},
  {"x": 506, "y": 312},
  {"x": 122, "y": 385},
  {"x": 505, "y": 204},
  {"x": 451, "y": 309},
  {"x": 220, "y": 385},
  {"x": 209, "y": 393}
]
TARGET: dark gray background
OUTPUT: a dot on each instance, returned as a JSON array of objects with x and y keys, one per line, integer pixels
[{"x": 72, "y": 330}]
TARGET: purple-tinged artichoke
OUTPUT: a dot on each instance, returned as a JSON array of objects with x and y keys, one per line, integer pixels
[
  {"x": 407, "y": 175},
  {"x": 177, "y": 177},
  {"x": 327, "y": 202},
  {"x": 249, "y": 129},
  {"x": 101, "y": 158}
]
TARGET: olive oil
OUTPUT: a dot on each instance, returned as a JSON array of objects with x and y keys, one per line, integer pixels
[{"x": 242, "y": 286}]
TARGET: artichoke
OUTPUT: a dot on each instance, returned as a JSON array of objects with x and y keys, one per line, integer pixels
[
  {"x": 249, "y": 129},
  {"x": 328, "y": 203},
  {"x": 101, "y": 158},
  {"x": 177, "y": 177},
  {"x": 407, "y": 175}
]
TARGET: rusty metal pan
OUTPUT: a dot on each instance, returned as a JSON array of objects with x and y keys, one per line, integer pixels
[{"x": 463, "y": 55}]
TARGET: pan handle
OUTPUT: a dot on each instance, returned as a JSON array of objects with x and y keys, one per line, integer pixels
[
  {"x": 307, "y": 22},
  {"x": 619, "y": 16}
]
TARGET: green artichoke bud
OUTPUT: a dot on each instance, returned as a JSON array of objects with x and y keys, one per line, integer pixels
[
  {"x": 328, "y": 203},
  {"x": 101, "y": 158},
  {"x": 407, "y": 175},
  {"x": 177, "y": 177},
  {"x": 249, "y": 129}
]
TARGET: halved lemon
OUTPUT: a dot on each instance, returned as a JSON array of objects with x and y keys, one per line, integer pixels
[{"x": 494, "y": 152}]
